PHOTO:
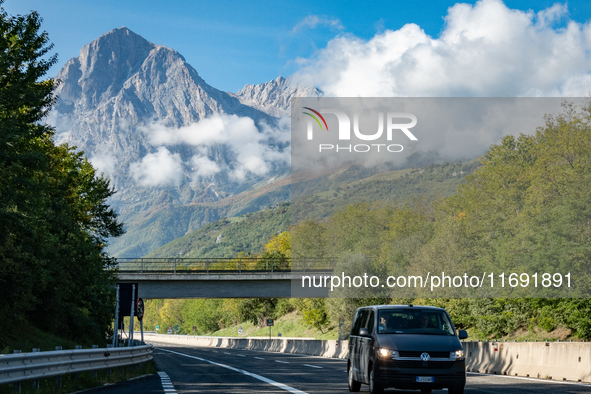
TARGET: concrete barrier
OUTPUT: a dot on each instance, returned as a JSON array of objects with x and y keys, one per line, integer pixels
[
  {"x": 569, "y": 361},
  {"x": 311, "y": 347}
]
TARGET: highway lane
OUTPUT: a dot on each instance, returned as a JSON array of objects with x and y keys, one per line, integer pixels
[{"x": 220, "y": 370}]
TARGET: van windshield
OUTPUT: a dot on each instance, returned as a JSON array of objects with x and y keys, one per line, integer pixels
[{"x": 414, "y": 321}]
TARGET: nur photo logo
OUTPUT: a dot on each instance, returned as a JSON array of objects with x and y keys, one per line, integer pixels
[{"x": 396, "y": 124}]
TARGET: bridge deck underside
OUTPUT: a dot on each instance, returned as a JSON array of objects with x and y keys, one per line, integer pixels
[{"x": 217, "y": 286}]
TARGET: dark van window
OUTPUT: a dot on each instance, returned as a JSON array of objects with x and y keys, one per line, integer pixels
[
  {"x": 370, "y": 321},
  {"x": 360, "y": 320},
  {"x": 414, "y": 321}
]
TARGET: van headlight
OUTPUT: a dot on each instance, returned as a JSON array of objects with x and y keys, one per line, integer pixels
[
  {"x": 457, "y": 355},
  {"x": 387, "y": 353}
]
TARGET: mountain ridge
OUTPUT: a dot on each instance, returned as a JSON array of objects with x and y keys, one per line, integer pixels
[{"x": 273, "y": 97}]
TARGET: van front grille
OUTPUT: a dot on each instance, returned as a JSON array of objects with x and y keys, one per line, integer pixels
[
  {"x": 412, "y": 353},
  {"x": 421, "y": 364}
]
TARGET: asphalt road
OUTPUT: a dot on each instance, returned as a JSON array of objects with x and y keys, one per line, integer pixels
[{"x": 220, "y": 370}]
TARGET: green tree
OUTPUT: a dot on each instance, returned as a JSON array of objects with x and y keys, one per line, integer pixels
[
  {"x": 314, "y": 312},
  {"x": 54, "y": 220}
]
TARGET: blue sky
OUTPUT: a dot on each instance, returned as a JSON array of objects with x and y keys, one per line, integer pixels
[{"x": 233, "y": 43}]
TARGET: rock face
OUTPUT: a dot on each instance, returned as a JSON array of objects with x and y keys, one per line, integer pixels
[
  {"x": 273, "y": 97},
  {"x": 119, "y": 87},
  {"x": 163, "y": 136}
]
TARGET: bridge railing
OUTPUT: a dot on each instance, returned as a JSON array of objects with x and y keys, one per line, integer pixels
[{"x": 221, "y": 265}]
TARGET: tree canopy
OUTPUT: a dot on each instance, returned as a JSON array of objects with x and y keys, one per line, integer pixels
[{"x": 54, "y": 218}]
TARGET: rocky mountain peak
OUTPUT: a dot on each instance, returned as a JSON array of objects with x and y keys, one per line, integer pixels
[{"x": 273, "y": 97}]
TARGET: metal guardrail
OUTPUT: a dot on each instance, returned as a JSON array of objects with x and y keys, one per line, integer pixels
[
  {"x": 19, "y": 367},
  {"x": 221, "y": 265}
]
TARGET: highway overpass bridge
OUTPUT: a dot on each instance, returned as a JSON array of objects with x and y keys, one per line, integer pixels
[{"x": 221, "y": 278}]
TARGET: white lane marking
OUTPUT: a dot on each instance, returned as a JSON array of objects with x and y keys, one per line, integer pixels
[
  {"x": 166, "y": 383},
  {"x": 227, "y": 353},
  {"x": 282, "y": 362},
  {"x": 259, "y": 377},
  {"x": 240, "y": 355},
  {"x": 259, "y": 358},
  {"x": 531, "y": 379},
  {"x": 313, "y": 366}
]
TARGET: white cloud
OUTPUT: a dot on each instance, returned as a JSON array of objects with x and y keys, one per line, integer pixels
[
  {"x": 203, "y": 167},
  {"x": 103, "y": 160},
  {"x": 158, "y": 169},
  {"x": 313, "y": 21},
  {"x": 251, "y": 148},
  {"x": 485, "y": 49}
]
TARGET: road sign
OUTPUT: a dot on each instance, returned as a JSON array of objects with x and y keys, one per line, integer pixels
[
  {"x": 125, "y": 296},
  {"x": 240, "y": 330},
  {"x": 269, "y": 322},
  {"x": 194, "y": 328},
  {"x": 157, "y": 328},
  {"x": 170, "y": 329},
  {"x": 176, "y": 327},
  {"x": 140, "y": 309}
]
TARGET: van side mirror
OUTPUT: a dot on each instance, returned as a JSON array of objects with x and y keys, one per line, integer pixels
[
  {"x": 364, "y": 332},
  {"x": 462, "y": 334}
]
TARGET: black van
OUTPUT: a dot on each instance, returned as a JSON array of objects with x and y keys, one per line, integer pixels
[{"x": 406, "y": 347}]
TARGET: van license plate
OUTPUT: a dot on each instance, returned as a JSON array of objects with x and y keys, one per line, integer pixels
[{"x": 425, "y": 379}]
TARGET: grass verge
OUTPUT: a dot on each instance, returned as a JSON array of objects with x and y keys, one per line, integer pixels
[{"x": 290, "y": 325}]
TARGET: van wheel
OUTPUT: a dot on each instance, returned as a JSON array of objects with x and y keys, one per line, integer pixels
[
  {"x": 456, "y": 390},
  {"x": 354, "y": 385},
  {"x": 374, "y": 388}
]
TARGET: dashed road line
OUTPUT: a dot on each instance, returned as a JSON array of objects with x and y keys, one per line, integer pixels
[
  {"x": 282, "y": 362},
  {"x": 166, "y": 383},
  {"x": 259, "y": 358},
  {"x": 312, "y": 366}
]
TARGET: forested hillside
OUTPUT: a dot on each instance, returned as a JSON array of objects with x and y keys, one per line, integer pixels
[
  {"x": 321, "y": 197},
  {"x": 325, "y": 195},
  {"x": 228, "y": 237}
]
